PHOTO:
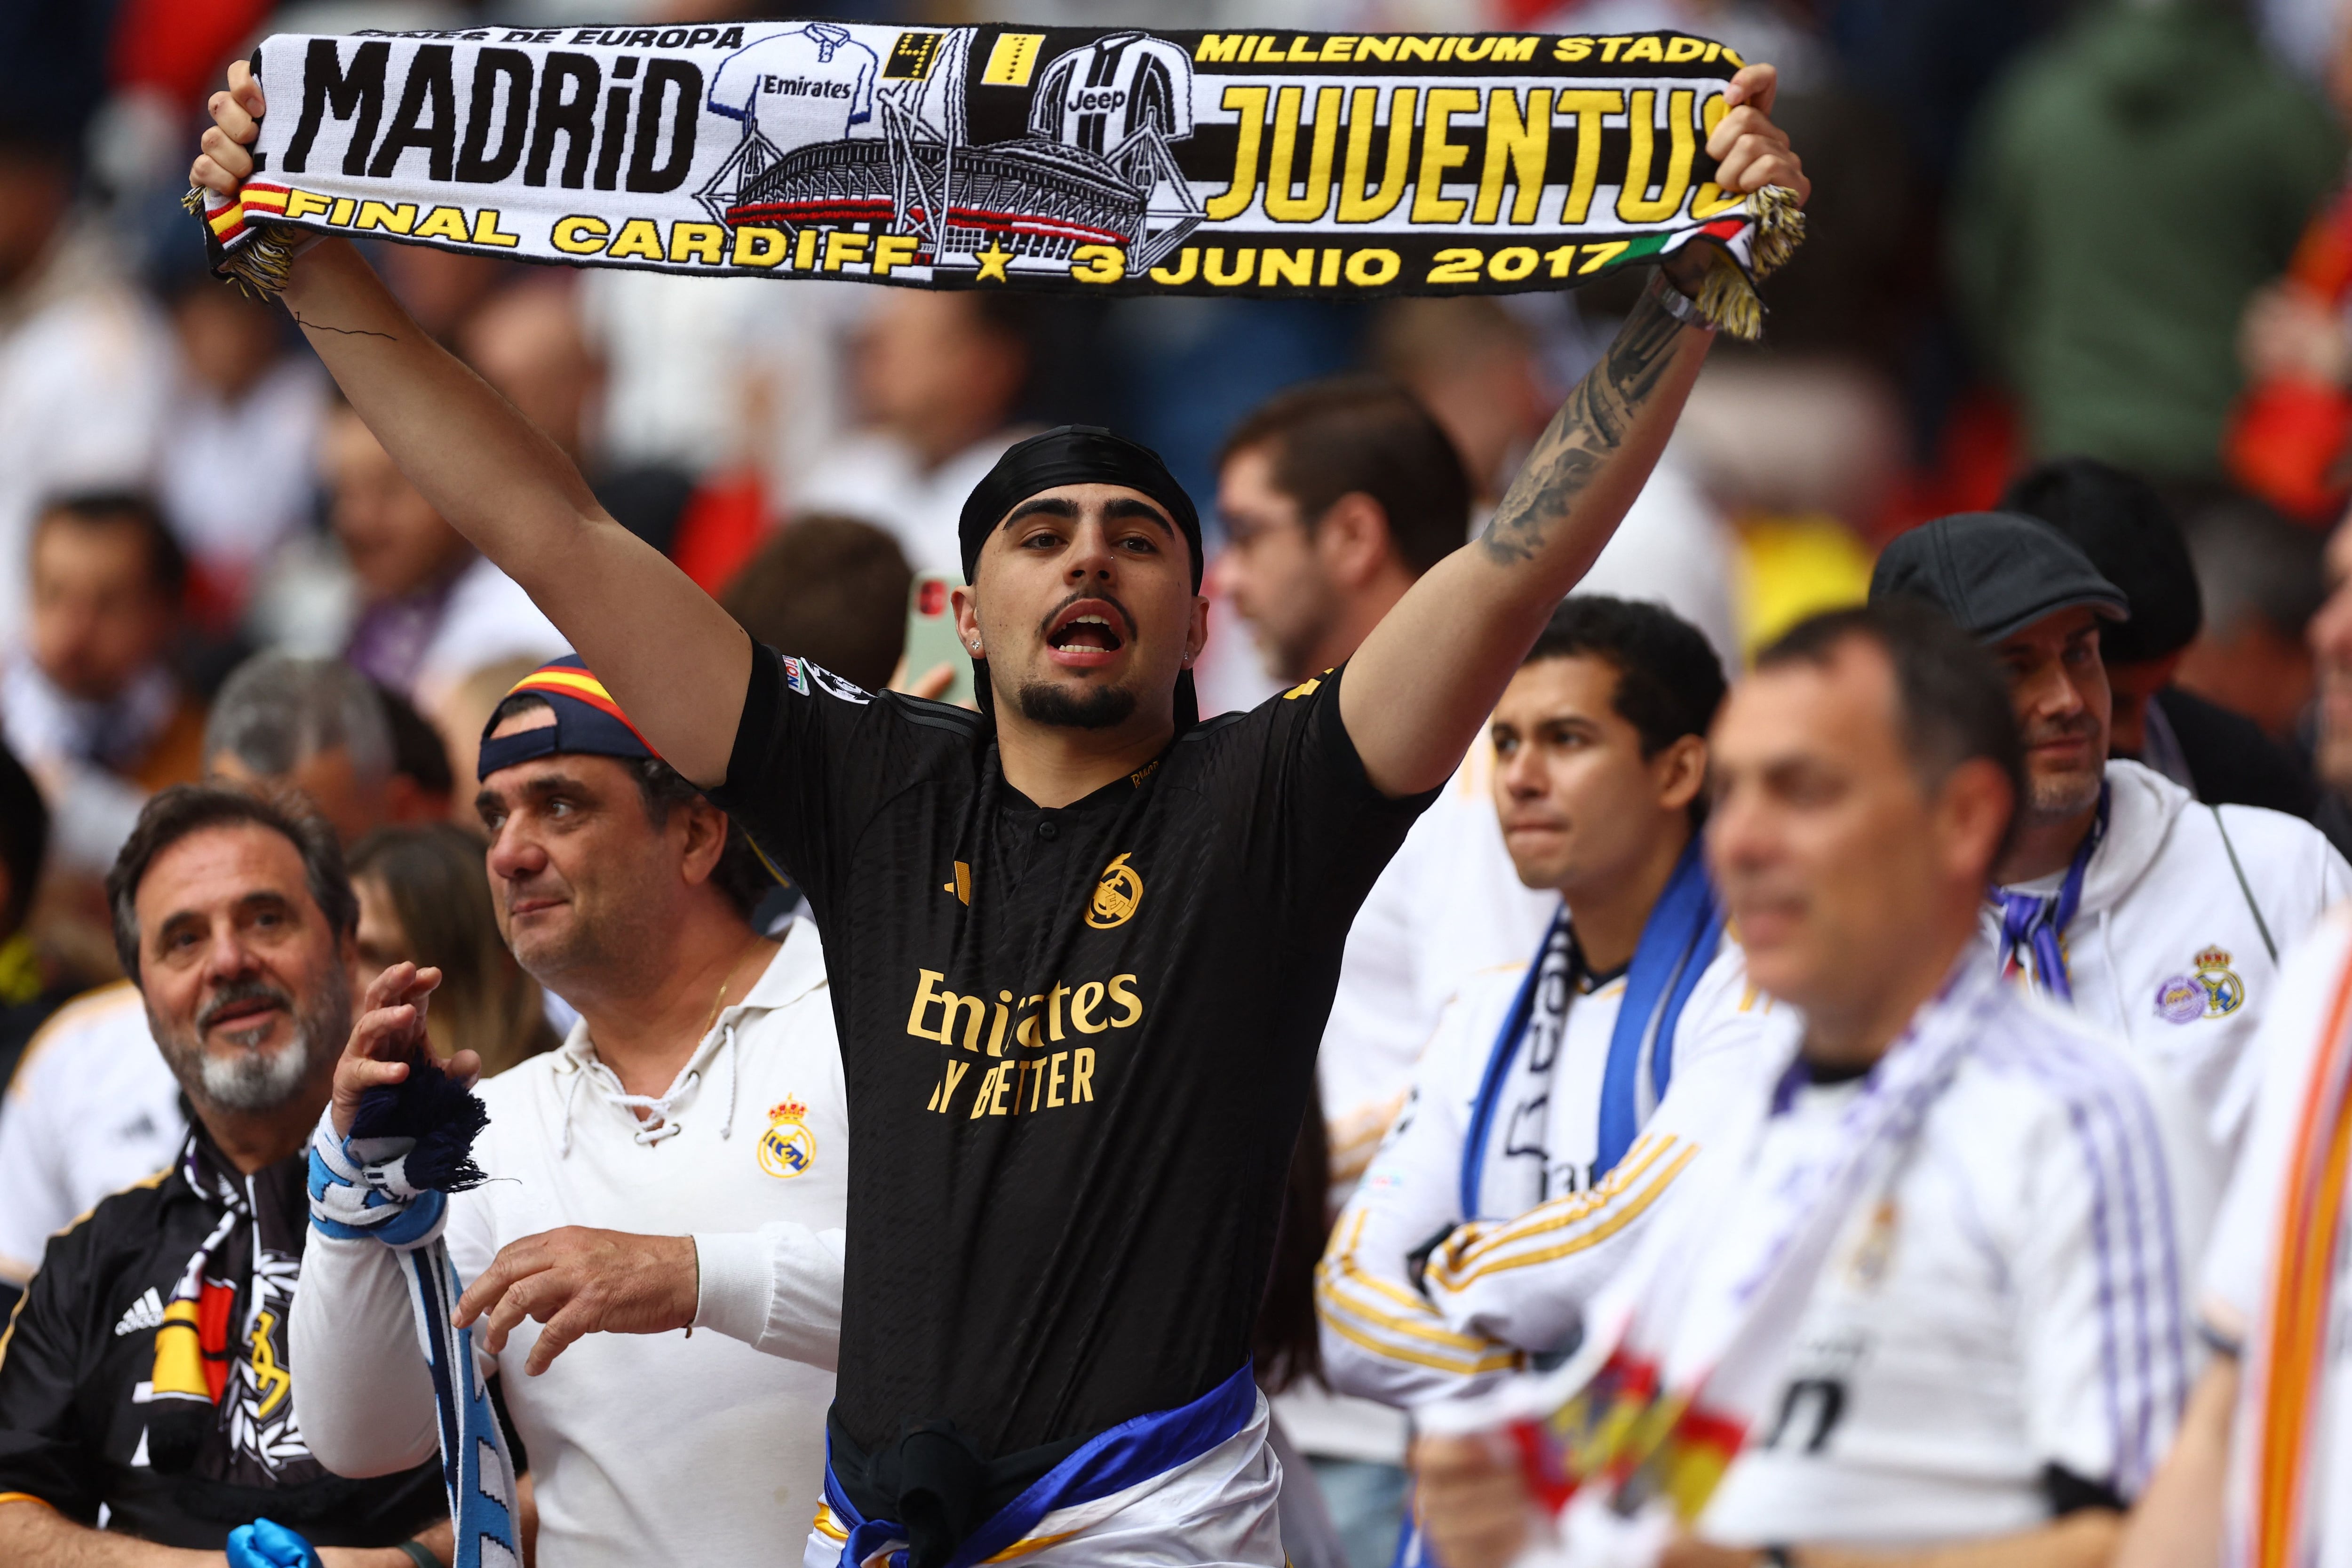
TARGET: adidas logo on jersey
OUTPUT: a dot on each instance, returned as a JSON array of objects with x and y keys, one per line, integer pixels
[{"x": 147, "y": 1313}]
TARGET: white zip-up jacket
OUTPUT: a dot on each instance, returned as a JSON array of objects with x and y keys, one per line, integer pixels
[
  {"x": 643, "y": 1448},
  {"x": 2172, "y": 950}
]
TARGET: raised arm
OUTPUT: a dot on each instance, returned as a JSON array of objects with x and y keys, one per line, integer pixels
[
  {"x": 672, "y": 658},
  {"x": 1424, "y": 681}
]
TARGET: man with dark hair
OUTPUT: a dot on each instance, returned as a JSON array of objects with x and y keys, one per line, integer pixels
[
  {"x": 2130, "y": 535},
  {"x": 1919, "y": 1294},
  {"x": 1336, "y": 497},
  {"x": 93, "y": 708},
  {"x": 833, "y": 586},
  {"x": 1086, "y": 941},
  {"x": 145, "y": 1384},
  {"x": 2160, "y": 919},
  {"x": 693, "y": 1117},
  {"x": 1541, "y": 1077}
]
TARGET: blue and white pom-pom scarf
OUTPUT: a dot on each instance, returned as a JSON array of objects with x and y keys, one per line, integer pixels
[{"x": 411, "y": 1145}]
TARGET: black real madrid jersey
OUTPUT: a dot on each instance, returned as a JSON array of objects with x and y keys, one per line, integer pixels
[{"x": 1077, "y": 1042}]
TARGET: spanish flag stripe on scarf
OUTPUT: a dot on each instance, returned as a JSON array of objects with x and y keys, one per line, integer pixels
[{"x": 2311, "y": 1221}]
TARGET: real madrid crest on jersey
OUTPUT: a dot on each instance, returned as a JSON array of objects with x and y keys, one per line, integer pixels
[
  {"x": 788, "y": 1147},
  {"x": 1116, "y": 895},
  {"x": 2211, "y": 990}
]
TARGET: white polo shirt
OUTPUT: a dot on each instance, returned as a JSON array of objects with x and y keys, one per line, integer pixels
[
  {"x": 91, "y": 1109},
  {"x": 2166, "y": 951},
  {"x": 643, "y": 1448}
]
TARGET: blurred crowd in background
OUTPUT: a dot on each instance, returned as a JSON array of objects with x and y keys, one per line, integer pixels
[{"x": 2030, "y": 242}]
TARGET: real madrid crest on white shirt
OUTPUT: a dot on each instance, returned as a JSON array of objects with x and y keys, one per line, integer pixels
[{"x": 2171, "y": 939}]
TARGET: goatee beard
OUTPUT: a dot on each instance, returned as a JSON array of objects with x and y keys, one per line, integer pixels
[{"x": 1097, "y": 708}]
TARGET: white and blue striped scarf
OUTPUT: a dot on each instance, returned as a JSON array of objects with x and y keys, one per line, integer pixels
[{"x": 364, "y": 1187}]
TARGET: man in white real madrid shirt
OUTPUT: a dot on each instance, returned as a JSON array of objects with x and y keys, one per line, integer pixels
[
  {"x": 1536, "y": 1085},
  {"x": 701, "y": 1093},
  {"x": 2159, "y": 918},
  {"x": 1922, "y": 1289}
]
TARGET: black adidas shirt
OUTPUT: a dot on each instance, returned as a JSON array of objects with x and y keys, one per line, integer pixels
[
  {"x": 1077, "y": 1042},
  {"x": 75, "y": 1363}
]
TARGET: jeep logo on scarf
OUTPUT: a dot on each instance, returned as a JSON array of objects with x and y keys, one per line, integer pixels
[{"x": 1264, "y": 163}]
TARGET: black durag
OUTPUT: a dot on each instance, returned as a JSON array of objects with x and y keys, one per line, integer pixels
[{"x": 1076, "y": 455}]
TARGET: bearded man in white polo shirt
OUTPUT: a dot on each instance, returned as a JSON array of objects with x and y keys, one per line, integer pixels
[
  {"x": 697, "y": 1106},
  {"x": 2159, "y": 920}
]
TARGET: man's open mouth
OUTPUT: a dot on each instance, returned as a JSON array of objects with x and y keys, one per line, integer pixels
[{"x": 1086, "y": 624}]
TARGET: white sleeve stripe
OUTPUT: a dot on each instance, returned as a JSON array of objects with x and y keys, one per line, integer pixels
[
  {"x": 1389, "y": 1322},
  {"x": 2143, "y": 1342}
]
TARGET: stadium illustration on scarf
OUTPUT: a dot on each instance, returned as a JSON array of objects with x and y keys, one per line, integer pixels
[{"x": 1267, "y": 164}]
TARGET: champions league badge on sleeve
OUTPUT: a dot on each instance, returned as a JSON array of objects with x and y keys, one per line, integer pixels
[
  {"x": 2211, "y": 990},
  {"x": 788, "y": 1147}
]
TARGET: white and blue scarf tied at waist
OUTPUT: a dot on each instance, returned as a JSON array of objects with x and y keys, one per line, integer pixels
[{"x": 409, "y": 1147}]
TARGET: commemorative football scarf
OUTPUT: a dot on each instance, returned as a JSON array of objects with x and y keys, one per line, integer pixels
[
  {"x": 2281, "y": 1493},
  {"x": 221, "y": 1400},
  {"x": 1259, "y": 163},
  {"x": 1678, "y": 942},
  {"x": 409, "y": 1147},
  {"x": 1684, "y": 1350}
]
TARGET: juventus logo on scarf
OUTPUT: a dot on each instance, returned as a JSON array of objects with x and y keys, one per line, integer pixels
[
  {"x": 410, "y": 1146},
  {"x": 1258, "y": 164}
]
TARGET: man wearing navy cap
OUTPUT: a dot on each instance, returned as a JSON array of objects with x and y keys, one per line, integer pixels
[
  {"x": 1083, "y": 946},
  {"x": 2160, "y": 919},
  {"x": 698, "y": 1105}
]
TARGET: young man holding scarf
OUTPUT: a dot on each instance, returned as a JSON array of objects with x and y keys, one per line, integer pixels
[
  {"x": 1921, "y": 1296},
  {"x": 1084, "y": 943},
  {"x": 696, "y": 1105},
  {"x": 1534, "y": 1092},
  {"x": 148, "y": 1378},
  {"x": 2157, "y": 918}
]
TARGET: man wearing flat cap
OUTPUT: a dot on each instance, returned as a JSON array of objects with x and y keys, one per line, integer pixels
[
  {"x": 2159, "y": 918},
  {"x": 1082, "y": 945}
]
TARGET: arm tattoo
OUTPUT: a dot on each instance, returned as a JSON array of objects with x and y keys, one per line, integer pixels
[
  {"x": 341, "y": 332},
  {"x": 1584, "y": 435}
]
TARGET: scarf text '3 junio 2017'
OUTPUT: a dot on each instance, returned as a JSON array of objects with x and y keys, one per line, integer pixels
[{"x": 1260, "y": 163}]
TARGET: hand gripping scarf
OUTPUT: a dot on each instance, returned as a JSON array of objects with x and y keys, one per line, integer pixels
[
  {"x": 410, "y": 1146},
  {"x": 1678, "y": 942},
  {"x": 1261, "y": 164},
  {"x": 1684, "y": 1350},
  {"x": 2279, "y": 1518}
]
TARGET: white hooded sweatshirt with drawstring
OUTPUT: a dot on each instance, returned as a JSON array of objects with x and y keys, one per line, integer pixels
[
  {"x": 642, "y": 1446},
  {"x": 2174, "y": 945}
]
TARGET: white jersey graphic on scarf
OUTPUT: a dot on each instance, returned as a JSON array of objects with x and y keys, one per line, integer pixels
[
  {"x": 2166, "y": 949},
  {"x": 1517, "y": 1282},
  {"x": 812, "y": 84},
  {"x": 2237, "y": 1274},
  {"x": 1916, "y": 1290}
]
